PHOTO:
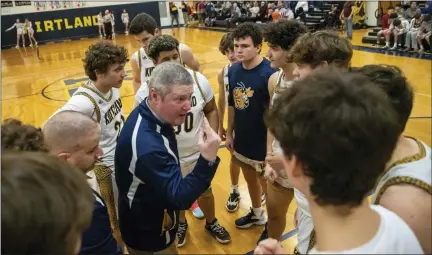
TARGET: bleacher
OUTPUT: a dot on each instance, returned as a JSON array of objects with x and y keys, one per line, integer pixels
[
  {"x": 370, "y": 36},
  {"x": 314, "y": 18}
]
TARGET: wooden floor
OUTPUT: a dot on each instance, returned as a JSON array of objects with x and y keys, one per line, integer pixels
[{"x": 33, "y": 89}]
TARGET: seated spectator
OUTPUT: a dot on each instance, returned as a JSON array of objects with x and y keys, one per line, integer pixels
[
  {"x": 300, "y": 15},
  {"x": 411, "y": 37},
  {"x": 399, "y": 30},
  {"x": 410, "y": 12},
  {"x": 254, "y": 10},
  {"x": 387, "y": 26},
  {"x": 424, "y": 32},
  {"x": 400, "y": 11}
]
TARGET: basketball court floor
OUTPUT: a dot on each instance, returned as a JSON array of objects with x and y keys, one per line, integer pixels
[{"x": 33, "y": 89}]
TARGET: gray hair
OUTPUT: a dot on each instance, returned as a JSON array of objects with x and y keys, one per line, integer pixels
[
  {"x": 64, "y": 131},
  {"x": 168, "y": 74}
]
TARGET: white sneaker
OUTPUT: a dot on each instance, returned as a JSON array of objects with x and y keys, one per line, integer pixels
[
  {"x": 17, "y": 46},
  {"x": 31, "y": 45}
]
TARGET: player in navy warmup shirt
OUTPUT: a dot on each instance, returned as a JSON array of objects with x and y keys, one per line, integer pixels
[
  {"x": 148, "y": 174},
  {"x": 248, "y": 100}
]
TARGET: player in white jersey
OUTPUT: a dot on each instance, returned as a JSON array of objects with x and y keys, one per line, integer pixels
[
  {"x": 405, "y": 185},
  {"x": 125, "y": 20},
  {"x": 20, "y": 32},
  {"x": 328, "y": 156},
  {"x": 144, "y": 27},
  {"x": 100, "y": 22},
  {"x": 100, "y": 99},
  {"x": 335, "y": 51},
  {"x": 280, "y": 37},
  {"x": 30, "y": 32},
  {"x": 226, "y": 47},
  {"x": 162, "y": 49}
]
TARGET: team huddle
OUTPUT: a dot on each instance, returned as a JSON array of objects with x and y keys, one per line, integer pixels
[{"x": 302, "y": 124}]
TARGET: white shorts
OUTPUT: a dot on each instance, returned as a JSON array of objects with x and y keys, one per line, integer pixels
[
  {"x": 20, "y": 31},
  {"x": 187, "y": 168},
  {"x": 304, "y": 227},
  {"x": 257, "y": 165},
  {"x": 283, "y": 179}
]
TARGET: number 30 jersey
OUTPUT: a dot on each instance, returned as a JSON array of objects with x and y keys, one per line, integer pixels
[
  {"x": 106, "y": 109},
  {"x": 187, "y": 133}
]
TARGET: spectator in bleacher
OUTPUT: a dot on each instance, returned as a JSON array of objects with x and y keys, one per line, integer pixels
[
  {"x": 399, "y": 10},
  {"x": 302, "y": 4},
  {"x": 424, "y": 32},
  {"x": 235, "y": 15},
  {"x": 427, "y": 9},
  {"x": 201, "y": 13},
  {"x": 398, "y": 29},
  {"x": 185, "y": 12},
  {"x": 411, "y": 36},
  {"x": 300, "y": 15},
  {"x": 254, "y": 10},
  {"x": 263, "y": 11},
  {"x": 348, "y": 13},
  {"x": 332, "y": 20},
  {"x": 386, "y": 31},
  {"x": 410, "y": 12},
  {"x": 285, "y": 13}
]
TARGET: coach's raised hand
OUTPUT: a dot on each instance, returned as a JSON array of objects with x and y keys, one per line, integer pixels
[{"x": 209, "y": 141}]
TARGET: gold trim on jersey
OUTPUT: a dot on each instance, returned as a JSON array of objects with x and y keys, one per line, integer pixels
[
  {"x": 404, "y": 179},
  {"x": 100, "y": 94},
  {"x": 199, "y": 87},
  {"x": 312, "y": 242},
  {"x": 104, "y": 180},
  {"x": 96, "y": 107}
]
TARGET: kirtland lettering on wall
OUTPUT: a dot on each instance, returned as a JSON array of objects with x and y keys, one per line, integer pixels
[{"x": 65, "y": 23}]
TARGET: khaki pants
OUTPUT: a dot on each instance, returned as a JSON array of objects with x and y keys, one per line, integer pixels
[{"x": 172, "y": 249}]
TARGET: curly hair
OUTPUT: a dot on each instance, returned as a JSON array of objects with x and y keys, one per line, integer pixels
[
  {"x": 342, "y": 129},
  {"x": 248, "y": 29},
  {"x": 21, "y": 137},
  {"x": 142, "y": 22},
  {"x": 161, "y": 43},
  {"x": 392, "y": 80},
  {"x": 226, "y": 43},
  {"x": 100, "y": 56},
  {"x": 284, "y": 33},
  {"x": 315, "y": 48}
]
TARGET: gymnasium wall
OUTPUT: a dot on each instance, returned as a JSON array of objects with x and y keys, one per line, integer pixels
[{"x": 70, "y": 23}]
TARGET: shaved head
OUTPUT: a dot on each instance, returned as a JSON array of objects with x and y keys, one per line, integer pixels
[{"x": 64, "y": 131}]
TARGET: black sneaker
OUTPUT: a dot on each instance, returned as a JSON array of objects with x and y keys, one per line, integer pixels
[
  {"x": 233, "y": 202},
  {"x": 251, "y": 219},
  {"x": 263, "y": 199},
  {"x": 181, "y": 234},
  {"x": 264, "y": 235},
  {"x": 218, "y": 232}
]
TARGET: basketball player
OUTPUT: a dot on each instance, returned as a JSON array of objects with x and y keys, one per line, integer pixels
[
  {"x": 30, "y": 32},
  {"x": 144, "y": 27},
  {"x": 248, "y": 100},
  {"x": 226, "y": 47},
  {"x": 162, "y": 49},
  {"x": 280, "y": 37},
  {"x": 337, "y": 131},
  {"x": 151, "y": 186},
  {"x": 46, "y": 204},
  {"x": 20, "y": 32},
  {"x": 310, "y": 52},
  {"x": 100, "y": 100},
  {"x": 405, "y": 186}
]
